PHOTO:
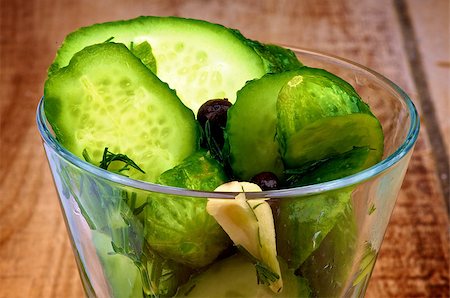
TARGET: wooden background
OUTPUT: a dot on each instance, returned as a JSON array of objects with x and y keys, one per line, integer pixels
[{"x": 406, "y": 40}]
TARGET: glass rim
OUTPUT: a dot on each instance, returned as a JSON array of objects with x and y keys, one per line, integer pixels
[{"x": 373, "y": 171}]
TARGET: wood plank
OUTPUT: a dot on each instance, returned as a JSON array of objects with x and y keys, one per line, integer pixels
[
  {"x": 35, "y": 255},
  {"x": 431, "y": 23},
  {"x": 431, "y": 26}
]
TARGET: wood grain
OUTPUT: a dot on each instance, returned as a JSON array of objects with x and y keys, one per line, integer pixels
[
  {"x": 434, "y": 54},
  {"x": 434, "y": 16},
  {"x": 35, "y": 255}
]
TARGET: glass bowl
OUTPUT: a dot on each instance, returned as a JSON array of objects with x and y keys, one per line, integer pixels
[{"x": 327, "y": 235}]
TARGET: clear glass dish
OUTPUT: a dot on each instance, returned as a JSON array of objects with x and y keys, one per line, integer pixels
[{"x": 328, "y": 234}]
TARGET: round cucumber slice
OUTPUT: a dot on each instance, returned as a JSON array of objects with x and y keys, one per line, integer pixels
[
  {"x": 251, "y": 127},
  {"x": 200, "y": 60},
  {"x": 236, "y": 277},
  {"x": 122, "y": 275},
  {"x": 320, "y": 115},
  {"x": 106, "y": 97}
]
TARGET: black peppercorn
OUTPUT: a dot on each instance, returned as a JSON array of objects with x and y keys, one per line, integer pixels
[
  {"x": 212, "y": 116},
  {"x": 266, "y": 180}
]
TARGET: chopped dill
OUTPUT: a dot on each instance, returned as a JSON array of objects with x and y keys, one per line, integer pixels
[
  {"x": 109, "y": 39},
  {"x": 264, "y": 275},
  {"x": 109, "y": 157}
]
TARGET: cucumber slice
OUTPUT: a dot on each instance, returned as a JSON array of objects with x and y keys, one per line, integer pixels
[
  {"x": 320, "y": 115},
  {"x": 328, "y": 268},
  {"x": 179, "y": 228},
  {"x": 236, "y": 277},
  {"x": 330, "y": 136},
  {"x": 124, "y": 278},
  {"x": 281, "y": 59},
  {"x": 303, "y": 223},
  {"x": 121, "y": 273},
  {"x": 336, "y": 167},
  {"x": 200, "y": 60},
  {"x": 106, "y": 97},
  {"x": 276, "y": 59},
  {"x": 199, "y": 171},
  {"x": 251, "y": 127}
]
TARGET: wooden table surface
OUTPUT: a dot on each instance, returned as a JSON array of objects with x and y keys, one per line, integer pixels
[{"x": 408, "y": 41}]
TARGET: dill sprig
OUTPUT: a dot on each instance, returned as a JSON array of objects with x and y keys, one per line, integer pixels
[
  {"x": 131, "y": 201},
  {"x": 211, "y": 143},
  {"x": 109, "y": 157},
  {"x": 264, "y": 275},
  {"x": 109, "y": 39}
]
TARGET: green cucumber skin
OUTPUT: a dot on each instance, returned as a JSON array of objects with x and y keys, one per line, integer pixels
[
  {"x": 121, "y": 273},
  {"x": 179, "y": 227},
  {"x": 302, "y": 223},
  {"x": 332, "y": 136},
  {"x": 276, "y": 59},
  {"x": 332, "y": 96},
  {"x": 270, "y": 137},
  {"x": 329, "y": 267},
  {"x": 132, "y": 30},
  {"x": 200, "y": 60},
  {"x": 317, "y": 109},
  {"x": 283, "y": 59},
  {"x": 199, "y": 171},
  {"x": 250, "y": 133},
  {"x": 67, "y": 110},
  {"x": 341, "y": 165}
]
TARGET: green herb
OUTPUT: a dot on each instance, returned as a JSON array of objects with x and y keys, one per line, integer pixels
[
  {"x": 68, "y": 190},
  {"x": 366, "y": 263},
  {"x": 109, "y": 39},
  {"x": 264, "y": 275},
  {"x": 307, "y": 167},
  {"x": 257, "y": 205},
  {"x": 132, "y": 203},
  {"x": 189, "y": 290},
  {"x": 139, "y": 209},
  {"x": 372, "y": 209},
  {"x": 127, "y": 240},
  {"x": 86, "y": 156},
  {"x": 211, "y": 144},
  {"x": 145, "y": 53},
  {"x": 119, "y": 222},
  {"x": 219, "y": 152},
  {"x": 109, "y": 157}
]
